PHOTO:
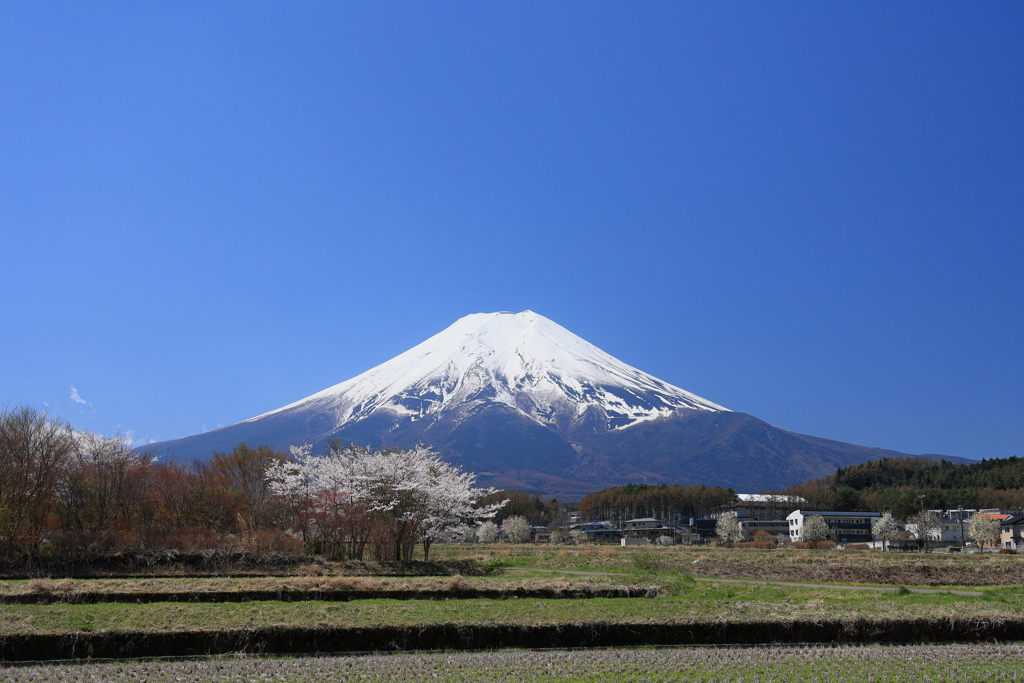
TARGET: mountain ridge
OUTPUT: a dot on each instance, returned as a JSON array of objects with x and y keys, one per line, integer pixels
[{"x": 520, "y": 400}]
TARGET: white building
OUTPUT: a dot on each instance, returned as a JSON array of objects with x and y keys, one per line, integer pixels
[{"x": 846, "y": 527}]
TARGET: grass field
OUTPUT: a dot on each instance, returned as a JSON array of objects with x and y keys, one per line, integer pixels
[{"x": 975, "y": 662}]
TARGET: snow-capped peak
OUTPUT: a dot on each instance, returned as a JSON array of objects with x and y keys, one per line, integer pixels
[{"x": 522, "y": 360}]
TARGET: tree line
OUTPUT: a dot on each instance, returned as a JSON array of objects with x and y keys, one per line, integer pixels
[
  {"x": 898, "y": 484},
  {"x": 73, "y": 493},
  {"x": 661, "y": 501}
]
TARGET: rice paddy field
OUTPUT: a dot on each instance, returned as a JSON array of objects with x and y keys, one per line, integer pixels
[
  {"x": 958, "y": 662},
  {"x": 635, "y": 596},
  {"x": 869, "y": 567},
  {"x": 681, "y": 602}
]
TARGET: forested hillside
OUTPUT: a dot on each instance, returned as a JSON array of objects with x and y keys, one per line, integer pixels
[{"x": 897, "y": 484}]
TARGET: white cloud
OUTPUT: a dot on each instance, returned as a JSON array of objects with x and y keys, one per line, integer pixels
[{"x": 76, "y": 398}]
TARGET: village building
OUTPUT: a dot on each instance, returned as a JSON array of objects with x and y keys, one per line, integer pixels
[
  {"x": 1011, "y": 535},
  {"x": 649, "y": 528},
  {"x": 600, "y": 532},
  {"x": 844, "y": 527}
]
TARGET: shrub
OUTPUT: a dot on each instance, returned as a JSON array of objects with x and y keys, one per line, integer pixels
[
  {"x": 647, "y": 560},
  {"x": 815, "y": 545},
  {"x": 762, "y": 545},
  {"x": 1008, "y": 551},
  {"x": 271, "y": 541}
]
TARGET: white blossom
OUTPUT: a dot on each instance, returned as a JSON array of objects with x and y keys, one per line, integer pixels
[{"x": 393, "y": 498}]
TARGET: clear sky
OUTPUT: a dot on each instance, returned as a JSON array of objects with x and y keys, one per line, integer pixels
[{"x": 809, "y": 212}]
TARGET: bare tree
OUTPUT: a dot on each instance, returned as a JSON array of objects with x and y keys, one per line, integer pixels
[
  {"x": 924, "y": 527},
  {"x": 105, "y": 493},
  {"x": 34, "y": 453},
  {"x": 243, "y": 472},
  {"x": 983, "y": 529}
]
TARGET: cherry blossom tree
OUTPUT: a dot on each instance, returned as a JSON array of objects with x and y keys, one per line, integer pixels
[
  {"x": 392, "y": 497},
  {"x": 728, "y": 529},
  {"x": 515, "y": 529},
  {"x": 815, "y": 529},
  {"x": 487, "y": 532},
  {"x": 885, "y": 528},
  {"x": 983, "y": 529}
]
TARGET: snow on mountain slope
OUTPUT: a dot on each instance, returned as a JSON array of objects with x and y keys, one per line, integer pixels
[
  {"x": 525, "y": 404},
  {"x": 524, "y": 361}
]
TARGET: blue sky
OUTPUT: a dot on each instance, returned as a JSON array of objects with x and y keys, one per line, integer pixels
[{"x": 811, "y": 213}]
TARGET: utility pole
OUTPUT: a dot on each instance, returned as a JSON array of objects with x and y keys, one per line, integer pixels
[
  {"x": 960, "y": 510},
  {"x": 921, "y": 496}
]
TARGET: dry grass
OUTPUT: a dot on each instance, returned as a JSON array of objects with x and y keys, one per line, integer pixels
[{"x": 47, "y": 591}]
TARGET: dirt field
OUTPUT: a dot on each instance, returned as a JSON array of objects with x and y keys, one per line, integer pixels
[{"x": 937, "y": 663}]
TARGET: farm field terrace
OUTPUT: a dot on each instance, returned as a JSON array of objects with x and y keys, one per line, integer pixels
[
  {"x": 782, "y": 564},
  {"x": 770, "y": 663},
  {"x": 684, "y": 601}
]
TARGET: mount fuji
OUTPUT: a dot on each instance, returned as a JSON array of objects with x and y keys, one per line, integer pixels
[{"x": 527, "y": 404}]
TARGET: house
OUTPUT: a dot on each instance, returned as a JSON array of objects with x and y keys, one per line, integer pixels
[
  {"x": 1012, "y": 533},
  {"x": 701, "y": 529},
  {"x": 642, "y": 523},
  {"x": 954, "y": 529},
  {"x": 844, "y": 527},
  {"x": 598, "y": 532},
  {"x": 649, "y": 528}
]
